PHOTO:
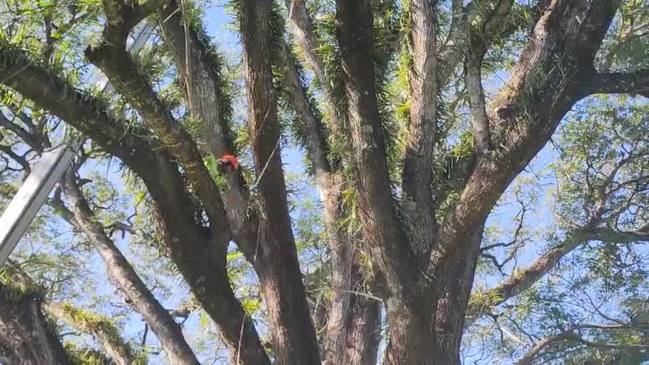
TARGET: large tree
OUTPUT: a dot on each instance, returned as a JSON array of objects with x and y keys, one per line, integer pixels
[{"x": 415, "y": 116}]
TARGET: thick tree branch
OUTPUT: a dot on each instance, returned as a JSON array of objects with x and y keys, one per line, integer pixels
[
  {"x": 381, "y": 228},
  {"x": 292, "y": 330},
  {"x": 451, "y": 52},
  {"x": 543, "y": 87},
  {"x": 454, "y": 47},
  {"x": 606, "y": 234},
  {"x": 351, "y": 324},
  {"x": 454, "y": 300},
  {"x": 25, "y": 334},
  {"x": 200, "y": 70},
  {"x": 126, "y": 280},
  {"x": 357, "y": 332},
  {"x": 17, "y": 158},
  {"x": 457, "y": 26},
  {"x": 634, "y": 83},
  {"x": 479, "y": 118},
  {"x": 311, "y": 127},
  {"x": 306, "y": 39},
  {"x": 417, "y": 174},
  {"x": 87, "y": 114},
  {"x": 495, "y": 19},
  {"x": 383, "y": 233},
  {"x": 21, "y": 133},
  {"x": 345, "y": 308},
  {"x": 611, "y": 346},
  {"x": 309, "y": 44},
  {"x": 111, "y": 57},
  {"x": 479, "y": 41},
  {"x": 100, "y": 327}
]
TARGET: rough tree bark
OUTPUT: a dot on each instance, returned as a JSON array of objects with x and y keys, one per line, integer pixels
[
  {"x": 200, "y": 69},
  {"x": 417, "y": 174},
  {"x": 409, "y": 307},
  {"x": 26, "y": 337},
  {"x": 101, "y": 328},
  {"x": 357, "y": 331},
  {"x": 111, "y": 57},
  {"x": 272, "y": 253},
  {"x": 451, "y": 307},
  {"x": 544, "y": 85},
  {"x": 292, "y": 328},
  {"x": 350, "y": 317}
]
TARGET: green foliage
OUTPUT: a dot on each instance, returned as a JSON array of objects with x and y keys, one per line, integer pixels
[
  {"x": 84, "y": 356},
  {"x": 90, "y": 322},
  {"x": 251, "y": 305},
  {"x": 600, "y": 168},
  {"x": 325, "y": 30},
  {"x": 10, "y": 291},
  {"x": 611, "y": 142},
  {"x": 625, "y": 46}
]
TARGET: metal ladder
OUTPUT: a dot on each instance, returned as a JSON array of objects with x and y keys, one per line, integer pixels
[{"x": 47, "y": 171}]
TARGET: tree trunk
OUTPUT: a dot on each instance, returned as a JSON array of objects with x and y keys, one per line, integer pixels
[
  {"x": 451, "y": 307},
  {"x": 417, "y": 174},
  {"x": 353, "y": 322},
  {"x": 383, "y": 234},
  {"x": 363, "y": 333},
  {"x": 411, "y": 333},
  {"x": 353, "y": 328},
  {"x": 342, "y": 251},
  {"x": 425, "y": 300},
  {"x": 26, "y": 337},
  {"x": 419, "y": 342},
  {"x": 351, "y": 335},
  {"x": 204, "y": 267},
  {"x": 275, "y": 257},
  {"x": 126, "y": 280}
]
